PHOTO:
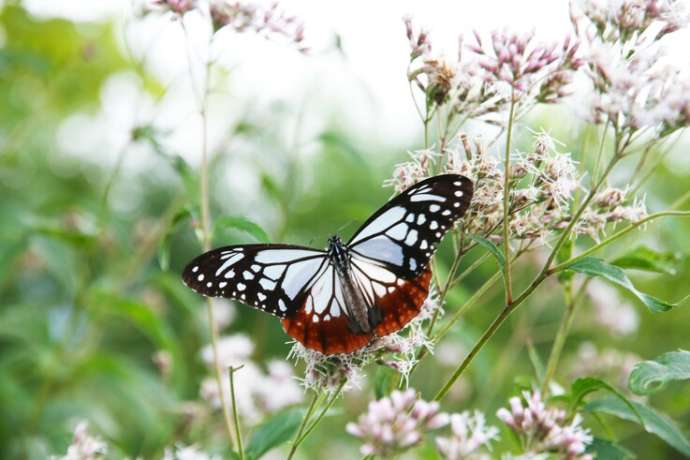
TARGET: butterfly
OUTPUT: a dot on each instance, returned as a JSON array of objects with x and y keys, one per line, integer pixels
[{"x": 340, "y": 299}]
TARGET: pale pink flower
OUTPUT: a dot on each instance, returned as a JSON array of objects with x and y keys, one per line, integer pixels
[
  {"x": 544, "y": 429},
  {"x": 182, "y": 452},
  {"x": 85, "y": 446},
  {"x": 396, "y": 423},
  {"x": 469, "y": 433}
]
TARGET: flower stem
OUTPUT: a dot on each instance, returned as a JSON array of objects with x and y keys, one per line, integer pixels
[
  {"x": 303, "y": 431},
  {"x": 235, "y": 417},
  {"x": 562, "y": 334},
  {"x": 205, "y": 236},
  {"x": 506, "y": 205},
  {"x": 303, "y": 425}
]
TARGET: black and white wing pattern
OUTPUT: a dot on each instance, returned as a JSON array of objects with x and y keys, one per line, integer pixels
[
  {"x": 271, "y": 277},
  {"x": 403, "y": 235},
  {"x": 388, "y": 265}
]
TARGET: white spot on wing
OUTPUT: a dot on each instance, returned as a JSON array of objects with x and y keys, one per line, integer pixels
[
  {"x": 427, "y": 197},
  {"x": 267, "y": 284},
  {"x": 398, "y": 232},
  {"x": 200, "y": 277},
  {"x": 273, "y": 256},
  {"x": 434, "y": 208},
  {"x": 228, "y": 263},
  {"x": 433, "y": 225},
  {"x": 421, "y": 219},
  {"x": 382, "y": 222},
  {"x": 411, "y": 238}
]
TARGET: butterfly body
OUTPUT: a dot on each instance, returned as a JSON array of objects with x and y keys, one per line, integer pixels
[{"x": 340, "y": 299}]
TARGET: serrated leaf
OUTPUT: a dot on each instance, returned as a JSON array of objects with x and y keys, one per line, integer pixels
[
  {"x": 604, "y": 449},
  {"x": 652, "y": 421},
  {"x": 597, "y": 267},
  {"x": 278, "y": 429},
  {"x": 586, "y": 385},
  {"x": 492, "y": 248},
  {"x": 647, "y": 259},
  {"x": 242, "y": 224},
  {"x": 649, "y": 377}
]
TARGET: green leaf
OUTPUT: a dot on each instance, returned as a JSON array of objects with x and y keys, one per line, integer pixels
[
  {"x": 649, "y": 377},
  {"x": 596, "y": 267},
  {"x": 586, "y": 385},
  {"x": 647, "y": 259},
  {"x": 653, "y": 422},
  {"x": 278, "y": 429},
  {"x": 492, "y": 248},
  {"x": 604, "y": 449},
  {"x": 240, "y": 223}
]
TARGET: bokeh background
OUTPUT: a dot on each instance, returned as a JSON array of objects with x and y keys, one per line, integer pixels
[{"x": 99, "y": 144}]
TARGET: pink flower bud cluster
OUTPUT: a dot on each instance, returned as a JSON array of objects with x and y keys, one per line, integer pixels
[
  {"x": 85, "y": 446},
  {"x": 268, "y": 21},
  {"x": 396, "y": 423},
  {"x": 529, "y": 67},
  {"x": 178, "y": 7},
  {"x": 607, "y": 363},
  {"x": 546, "y": 429}
]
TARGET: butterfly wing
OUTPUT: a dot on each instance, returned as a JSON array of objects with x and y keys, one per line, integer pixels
[
  {"x": 390, "y": 253},
  {"x": 403, "y": 235},
  {"x": 271, "y": 277}
]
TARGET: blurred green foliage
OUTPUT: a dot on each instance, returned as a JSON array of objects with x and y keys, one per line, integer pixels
[{"x": 88, "y": 293}]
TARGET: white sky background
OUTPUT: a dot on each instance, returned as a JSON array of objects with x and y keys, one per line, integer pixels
[{"x": 368, "y": 89}]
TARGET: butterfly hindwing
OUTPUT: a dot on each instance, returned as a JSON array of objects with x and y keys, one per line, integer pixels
[
  {"x": 270, "y": 277},
  {"x": 405, "y": 232}
]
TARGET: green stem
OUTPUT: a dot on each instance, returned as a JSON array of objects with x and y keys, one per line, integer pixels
[
  {"x": 236, "y": 417},
  {"x": 303, "y": 425},
  {"x": 321, "y": 415},
  {"x": 571, "y": 303},
  {"x": 506, "y": 205}
]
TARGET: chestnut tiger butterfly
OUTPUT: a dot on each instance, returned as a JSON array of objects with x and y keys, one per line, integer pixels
[{"x": 339, "y": 299}]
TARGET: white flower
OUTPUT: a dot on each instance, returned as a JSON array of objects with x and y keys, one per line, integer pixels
[
  {"x": 84, "y": 445},
  {"x": 255, "y": 390},
  {"x": 233, "y": 350},
  {"x": 610, "y": 363},
  {"x": 181, "y": 452},
  {"x": 396, "y": 423},
  {"x": 611, "y": 311},
  {"x": 469, "y": 433}
]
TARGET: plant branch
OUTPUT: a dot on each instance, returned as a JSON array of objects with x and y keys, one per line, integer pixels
[
  {"x": 236, "y": 418},
  {"x": 506, "y": 206}
]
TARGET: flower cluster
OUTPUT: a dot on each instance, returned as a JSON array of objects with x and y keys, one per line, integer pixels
[
  {"x": 478, "y": 83},
  {"x": 396, "y": 423},
  {"x": 610, "y": 310},
  {"x": 254, "y": 388},
  {"x": 469, "y": 432},
  {"x": 609, "y": 363},
  {"x": 181, "y": 452},
  {"x": 632, "y": 86},
  {"x": 628, "y": 20},
  {"x": 543, "y": 186},
  {"x": 397, "y": 351},
  {"x": 268, "y": 21},
  {"x": 178, "y": 7},
  {"x": 85, "y": 446},
  {"x": 546, "y": 429}
]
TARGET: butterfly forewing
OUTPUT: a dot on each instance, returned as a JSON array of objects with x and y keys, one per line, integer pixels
[
  {"x": 270, "y": 277},
  {"x": 404, "y": 233}
]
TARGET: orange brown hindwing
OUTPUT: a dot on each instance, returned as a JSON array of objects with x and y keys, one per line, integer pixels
[
  {"x": 334, "y": 336},
  {"x": 400, "y": 306},
  {"x": 328, "y": 337}
]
